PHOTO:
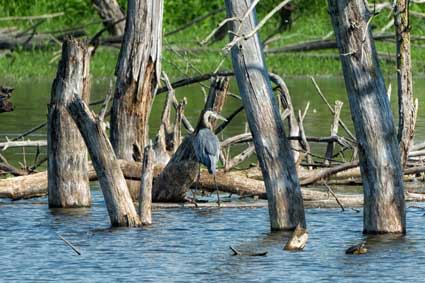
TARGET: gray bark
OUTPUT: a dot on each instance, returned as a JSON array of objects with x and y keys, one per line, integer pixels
[
  {"x": 407, "y": 119},
  {"x": 272, "y": 147},
  {"x": 68, "y": 181},
  {"x": 110, "y": 12},
  {"x": 117, "y": 197},
  {"x": 138, "y": 72},
  {"x": 145, "y": 196},
  {"x": 379, "y": 154}
]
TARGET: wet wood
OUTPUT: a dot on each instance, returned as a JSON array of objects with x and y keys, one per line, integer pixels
[
  {"x": 298, "y": 239},
  {"x": 68, "y": 181},
  {"x": 138, "y": 73},
  {"x": 145, "y": 196},
  {"x": 111, "y": 14},
  {"x": 406, "y": 108},
  {"x": 379, "y": 153},
  {"x": 239, "y": 253},
  {"x": 272, "y": 147}
]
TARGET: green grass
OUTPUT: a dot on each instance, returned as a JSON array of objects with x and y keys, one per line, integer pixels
[{"x": 312, "y": 22}]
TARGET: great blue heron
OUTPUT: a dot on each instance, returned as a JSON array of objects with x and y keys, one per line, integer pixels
[{"x": 207, "y": 145}]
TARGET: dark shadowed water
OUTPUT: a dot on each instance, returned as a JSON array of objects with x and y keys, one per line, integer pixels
[{"x": 191, "y": 245}]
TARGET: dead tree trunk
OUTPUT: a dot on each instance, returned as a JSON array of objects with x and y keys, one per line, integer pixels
[
  {"x": 180, "y": 172},
  {"x": 272, "y": 147},
  {"x": 145, "y": 195},
  {"x": 111, "y": 14},
  {"x": 117, "y": 197},
  {"x": 379, "y": 154},
  {"x": 406, "y": 122},
  {"x": 68, "y": 181},
  {"x": 138, "y": 72}
]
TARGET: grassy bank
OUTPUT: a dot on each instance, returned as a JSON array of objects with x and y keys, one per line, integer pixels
[{"x": 311, "y": 22}]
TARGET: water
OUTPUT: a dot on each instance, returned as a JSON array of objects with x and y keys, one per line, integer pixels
[{"x": 191, "y": 245}]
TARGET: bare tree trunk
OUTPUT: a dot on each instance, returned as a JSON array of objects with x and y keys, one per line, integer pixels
[
  {"x": 406, "y": 122},
  {"x": 111, "y": 14},
  {"x": 138, "y": 72},
  {"x": 379, "y": 154},
  {"x": 334, "y": 132},
  {"x": 117, "y": 197},
  {"x": 68, "y": 181},
  {"x": 272, "y": 147},
  {"x": 145, "y": 196}
]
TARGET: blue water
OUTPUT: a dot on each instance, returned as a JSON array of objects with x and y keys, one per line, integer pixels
[{"x": 192, "y": 245}]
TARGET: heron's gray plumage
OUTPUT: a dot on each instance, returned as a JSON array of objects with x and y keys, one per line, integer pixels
[{"x": 207, "y": 149}]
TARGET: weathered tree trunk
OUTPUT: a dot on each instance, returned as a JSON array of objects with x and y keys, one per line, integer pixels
[
  {"x": 272, "y": 147},
  {"x": 68, "y": 181},
  {"x": 180, "y": 172},
  {"x": 138, "y": 73},
  {"x": 111, "y": 14},
  {"x": 117, "y": 198},
  {"x": 406, "y": 120},
  {"x": 334, "y": 132},
  {"x": 145, "y": 196},
  {"x": 379, "y": 154}
]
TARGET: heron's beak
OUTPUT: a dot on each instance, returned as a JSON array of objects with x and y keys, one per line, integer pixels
[{"x": 218, "y": 116}]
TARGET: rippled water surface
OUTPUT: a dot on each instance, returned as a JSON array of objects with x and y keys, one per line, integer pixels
[{"x": 192, "y": 245}]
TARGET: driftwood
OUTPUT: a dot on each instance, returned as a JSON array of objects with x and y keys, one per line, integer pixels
[
  {"x": 239, "y": 253},
  {"x": 32, "y": 41},
  {"x": 68, "y": 183},
  {"x": 298, "y": 239},
  {"x": 379, "y": 152}
]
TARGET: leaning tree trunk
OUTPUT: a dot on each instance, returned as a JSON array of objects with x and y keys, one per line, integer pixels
[
  {"x": 406, "y": 122},
  {"x": 138, "y": 73},
  {"x": 68, "y": 181},
  {"x": 384, "y": 209},
  {"x": 111, "y": 14},
  {"x": 273, "y": 150}
]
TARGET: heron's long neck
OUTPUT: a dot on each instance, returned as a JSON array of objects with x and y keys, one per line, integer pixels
[{"x": 206, "y": 122}]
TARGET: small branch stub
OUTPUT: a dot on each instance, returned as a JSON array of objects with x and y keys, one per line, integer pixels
[{"x": 298, "y": 239}]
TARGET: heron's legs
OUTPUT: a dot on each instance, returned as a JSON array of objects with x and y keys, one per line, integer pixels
[
  {"x": 216, "y": 190},
  {"x": 197, "y": 181}
]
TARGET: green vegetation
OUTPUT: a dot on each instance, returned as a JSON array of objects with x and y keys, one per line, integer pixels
[{"x": 311, "y": 22}]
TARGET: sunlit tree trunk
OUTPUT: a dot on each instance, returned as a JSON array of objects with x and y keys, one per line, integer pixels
[
  {"x": 406, "y": 122},
  {"x": 379, "y": 154},
  {"x": 273, "y": 150}
]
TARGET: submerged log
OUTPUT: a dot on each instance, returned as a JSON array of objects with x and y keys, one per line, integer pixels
[
  {"x": 379, "y": 152},
  {"x": 68, "y": 181},
  {"x": 298, "y": 240},
  {"x": 271, "y": 145}
]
